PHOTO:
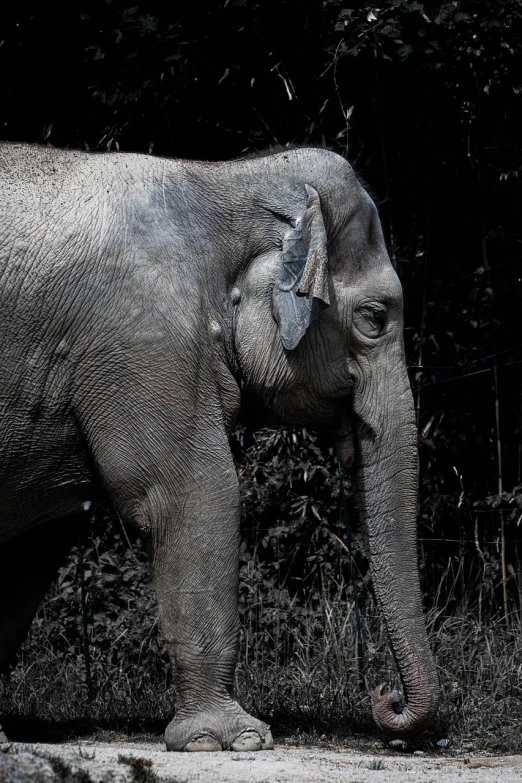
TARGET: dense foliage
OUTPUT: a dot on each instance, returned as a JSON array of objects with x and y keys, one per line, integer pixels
[{"x": 424, "y": 99}]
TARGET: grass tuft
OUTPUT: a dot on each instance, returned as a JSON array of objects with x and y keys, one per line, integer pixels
[{"x": 297, "y": 669}]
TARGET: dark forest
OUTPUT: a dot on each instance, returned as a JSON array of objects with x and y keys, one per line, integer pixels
[{"x": 424, "y": 101}]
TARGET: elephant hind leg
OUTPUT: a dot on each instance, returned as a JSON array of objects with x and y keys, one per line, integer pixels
[{"x": 28, "y": 565}]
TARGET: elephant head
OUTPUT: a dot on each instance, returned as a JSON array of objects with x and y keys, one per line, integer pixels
[{"x": 318, "y": 336}]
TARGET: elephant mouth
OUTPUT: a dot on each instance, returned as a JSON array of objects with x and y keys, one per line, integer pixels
[{"x": 298, "y": 408}]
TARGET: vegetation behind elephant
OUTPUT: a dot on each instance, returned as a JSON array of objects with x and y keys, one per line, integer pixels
[{"x": 140, "y": 297}]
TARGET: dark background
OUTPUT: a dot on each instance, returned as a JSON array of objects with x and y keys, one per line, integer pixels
[{"x": 424, "y": 99}]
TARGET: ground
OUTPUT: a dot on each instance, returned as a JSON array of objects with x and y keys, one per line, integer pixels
[{"x": 88, "y": 761}]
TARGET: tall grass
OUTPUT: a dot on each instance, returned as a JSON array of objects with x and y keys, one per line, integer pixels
[
  {"x": 303, "y": 663},
  {"x": 297, "y": 664}
]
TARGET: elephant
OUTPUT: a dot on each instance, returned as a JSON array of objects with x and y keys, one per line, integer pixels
[{"x": 142, "y": 299}]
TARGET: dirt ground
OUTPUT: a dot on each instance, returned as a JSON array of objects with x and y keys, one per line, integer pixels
[{"x": 88, "y": 761}]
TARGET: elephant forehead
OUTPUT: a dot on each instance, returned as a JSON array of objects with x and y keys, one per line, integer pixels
[{"x": 379, "y": 283}]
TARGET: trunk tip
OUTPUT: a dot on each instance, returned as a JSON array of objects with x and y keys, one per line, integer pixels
[{"x": 395, "y": 716}]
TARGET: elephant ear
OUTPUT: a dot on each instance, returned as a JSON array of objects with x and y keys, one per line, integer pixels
[{"x": 301, "y": 288}]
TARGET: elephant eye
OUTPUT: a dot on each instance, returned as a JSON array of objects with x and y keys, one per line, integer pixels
[{"x": 370, "y": 318}]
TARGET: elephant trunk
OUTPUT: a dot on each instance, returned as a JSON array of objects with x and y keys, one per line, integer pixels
[{"x": 387, "y": 500}]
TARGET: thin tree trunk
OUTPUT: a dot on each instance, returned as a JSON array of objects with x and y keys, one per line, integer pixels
[{"x": 500, "y": 491}]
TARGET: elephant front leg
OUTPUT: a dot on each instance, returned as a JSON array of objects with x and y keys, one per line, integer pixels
[
  {"x": 175, "y": 477},
  {"x": 195, "y": 550}
]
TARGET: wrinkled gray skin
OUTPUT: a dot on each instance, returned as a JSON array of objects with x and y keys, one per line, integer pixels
[{"x": 138, "y": 298}]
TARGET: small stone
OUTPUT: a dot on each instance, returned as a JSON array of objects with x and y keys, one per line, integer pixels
[
  {"x": 443, "y": 743},
  {"x": 398, "y": 744}
]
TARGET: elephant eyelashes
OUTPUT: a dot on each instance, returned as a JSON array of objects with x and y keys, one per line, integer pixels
[{"x": 370, "y": 319}]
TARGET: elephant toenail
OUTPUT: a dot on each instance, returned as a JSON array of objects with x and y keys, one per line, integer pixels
[
  {"x": 247, "y": 740},
  {"x": 202, "y": 743},
  {"x": 268, "y": 742}
]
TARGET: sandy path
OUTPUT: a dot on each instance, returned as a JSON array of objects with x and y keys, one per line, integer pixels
[{"x": 121, "y": 762}]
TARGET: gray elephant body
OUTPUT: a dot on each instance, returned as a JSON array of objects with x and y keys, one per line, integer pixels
[{"x": 138, "y": 298}]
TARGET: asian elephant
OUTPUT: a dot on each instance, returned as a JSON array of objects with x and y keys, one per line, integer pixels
[{"x": 139, "y": 298}]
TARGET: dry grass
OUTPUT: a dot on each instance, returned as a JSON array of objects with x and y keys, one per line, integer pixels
[
  {"x": 297, "y": 668},
  {"x": 309, "y": 670}
]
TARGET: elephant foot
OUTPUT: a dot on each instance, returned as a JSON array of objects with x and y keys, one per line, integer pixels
[{"x": 229, "y": 728}]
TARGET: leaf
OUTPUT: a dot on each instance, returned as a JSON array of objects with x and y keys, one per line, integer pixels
[
  {"x": 149, "y": 22},
  {"x": 390, "y": 30},
  {"x": 404, "y": 51}
]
